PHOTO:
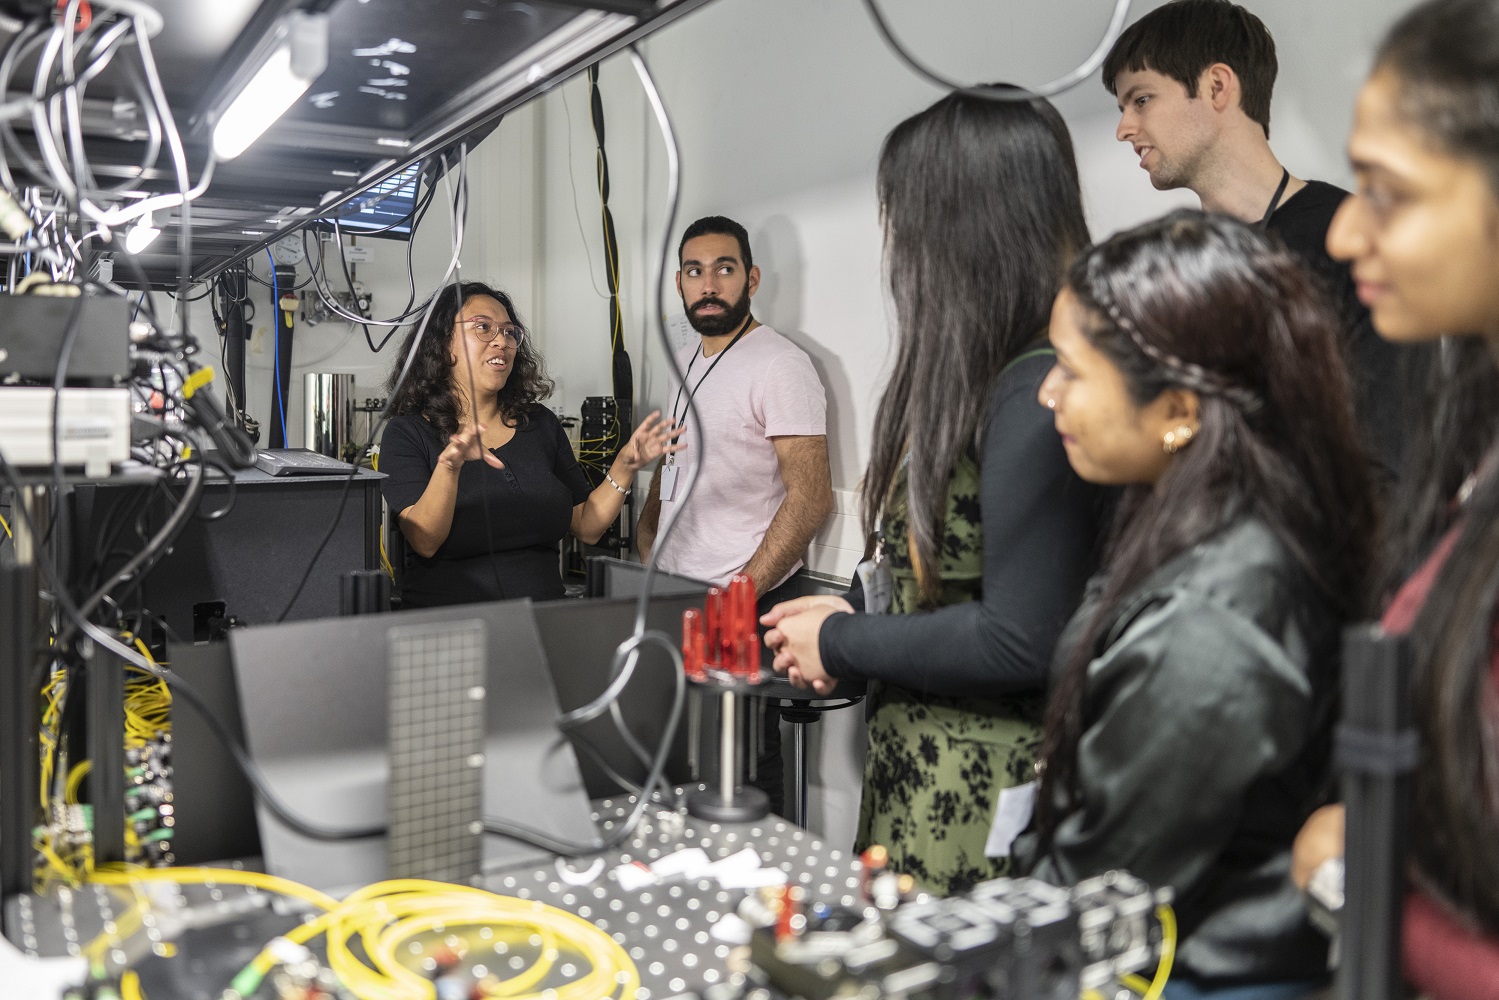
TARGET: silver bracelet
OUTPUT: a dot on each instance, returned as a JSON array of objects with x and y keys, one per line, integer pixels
[{"x": 622, "y": 491}]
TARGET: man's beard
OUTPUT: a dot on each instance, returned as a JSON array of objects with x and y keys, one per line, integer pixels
[{"x": 719, "y": 324}]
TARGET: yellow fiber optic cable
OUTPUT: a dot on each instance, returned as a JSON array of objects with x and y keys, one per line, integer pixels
[
  {"x": 75, "y": 780},
  {"x": 1153, "y": 990},
  {"x": 386, "y": 917}
]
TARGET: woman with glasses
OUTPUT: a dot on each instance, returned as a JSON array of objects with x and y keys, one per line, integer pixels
[{"x": 480, "y": 474}]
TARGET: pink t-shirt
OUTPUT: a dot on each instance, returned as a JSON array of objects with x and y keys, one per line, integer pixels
[{"x": 764, "y": 387}]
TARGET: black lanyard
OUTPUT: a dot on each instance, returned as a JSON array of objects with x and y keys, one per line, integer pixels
[
  {"x": 716, "y": 359},
  {"x": 1285, "y": 178}
]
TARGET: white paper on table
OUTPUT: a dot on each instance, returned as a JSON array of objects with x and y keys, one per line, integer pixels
[
  {"x": 753, "y": 878},
  {"x": 690, "y": 862},
  {"x": 1011, "y": 816},
  {"x": 634, "y": 877},
  {"x": 731, "y": 928},
  {"x": 41, "y": 977},
  {"x": 746, "y": 860}
]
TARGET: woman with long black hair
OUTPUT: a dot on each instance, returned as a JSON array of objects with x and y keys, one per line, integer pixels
[
  {"x": 986, "y": 535},
  {"x": 480, "y": 474},
  {"x": 1422, "y": 233},
  {"x": 1187, "y": 735}
]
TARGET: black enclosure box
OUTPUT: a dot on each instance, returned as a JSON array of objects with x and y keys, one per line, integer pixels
[
  {"x": 245, "y": 564},
  {"x": 31, "y": 337}
]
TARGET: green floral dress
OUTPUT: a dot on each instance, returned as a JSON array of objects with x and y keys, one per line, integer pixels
[{"x": 936, "y": 764}]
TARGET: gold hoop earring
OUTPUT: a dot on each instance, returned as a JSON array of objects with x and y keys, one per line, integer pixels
[{"x": 1178, "y": 439}]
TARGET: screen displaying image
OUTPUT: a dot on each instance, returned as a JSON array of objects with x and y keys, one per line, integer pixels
[{"x": 387, "y": 204}]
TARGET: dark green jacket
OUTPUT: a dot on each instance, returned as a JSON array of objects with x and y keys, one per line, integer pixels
[{"x": 1205, "y": 747}]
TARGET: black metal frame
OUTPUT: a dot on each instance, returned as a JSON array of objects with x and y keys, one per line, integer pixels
[
  {"x": 20, "y": 761},
  {"x": 1376, "y": 751}
]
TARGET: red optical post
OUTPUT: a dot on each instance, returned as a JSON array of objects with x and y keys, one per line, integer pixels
[
  {"x": 713, "y": 626},
  {"x": 727, "y": 640},
  {"x": 742, "y": 642},
  {"x": 692, "y": 644}
]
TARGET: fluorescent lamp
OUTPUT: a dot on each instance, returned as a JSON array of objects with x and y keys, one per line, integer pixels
[
  {"x": 141, "y": 235},
  {"x": 298, "y": 56}
]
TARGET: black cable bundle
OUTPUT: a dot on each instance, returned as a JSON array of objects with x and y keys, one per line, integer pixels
[{"x": 624, "y": 379}]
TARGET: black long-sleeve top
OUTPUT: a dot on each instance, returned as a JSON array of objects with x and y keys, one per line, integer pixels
[
  {"x": 1205, "y": 747},
  {"x": 1041, "y": 531},
  {"x": 507, "y": 523}
]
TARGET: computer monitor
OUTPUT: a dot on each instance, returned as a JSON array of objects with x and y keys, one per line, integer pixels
[
  {"x": 314, "y": 701},
  {"x": 387, "y": 209},
  {"x": 610, "y": 577},
  {"x": 309, "y": 700},
  {"x": 580, "y": 638}
]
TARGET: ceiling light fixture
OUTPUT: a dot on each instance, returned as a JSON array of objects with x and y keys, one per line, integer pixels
[
  {"x": 294, "y": 56},
  {"x": 141, "y": 235}
]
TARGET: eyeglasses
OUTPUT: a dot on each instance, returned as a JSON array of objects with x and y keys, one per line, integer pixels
[{"x": 487, "y": 330}]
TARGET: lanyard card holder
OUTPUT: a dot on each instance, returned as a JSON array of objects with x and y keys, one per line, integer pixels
[
  {"x": 875, "y": 579},
  {"x": 668, "y": 473}
]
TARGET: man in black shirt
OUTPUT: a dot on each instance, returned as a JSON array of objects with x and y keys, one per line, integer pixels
[{"x": 1193, "y": 79}]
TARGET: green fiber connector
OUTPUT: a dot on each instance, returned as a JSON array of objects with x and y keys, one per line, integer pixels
[
  {"x": 247, "y": 982},
  {"x": 133, "y": 772},
  {"x": 143, "y": 816},
  {"x": 156, "y": 836}
]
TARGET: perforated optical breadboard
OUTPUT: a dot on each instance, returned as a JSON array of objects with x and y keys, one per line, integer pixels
[{"x": 436, "y": 795}]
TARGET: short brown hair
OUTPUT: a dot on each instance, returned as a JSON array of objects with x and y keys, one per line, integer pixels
[{"x": 1185, "y": 37}]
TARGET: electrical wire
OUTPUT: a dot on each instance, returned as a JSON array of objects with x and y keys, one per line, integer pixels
[
  {"x": 1152, "y": 990},
  {"x": 573, "y": 181},
  {"x": 626, "y": 656},
  {"x": 460, "y": 212},
  {"x": 318, "y": 279},
  {"x": 1057, "y": 86},
  {"x": 386, "y": 919},
  {"x": 280, "y": 392}
]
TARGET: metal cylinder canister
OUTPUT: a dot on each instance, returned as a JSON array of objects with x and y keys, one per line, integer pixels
[{"x": 328, "y": 417}]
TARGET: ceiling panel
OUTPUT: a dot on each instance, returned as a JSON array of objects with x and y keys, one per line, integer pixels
[{"x": 405, "y": 80}]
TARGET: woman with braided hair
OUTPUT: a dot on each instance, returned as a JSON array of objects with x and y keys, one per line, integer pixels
[{"x": 1187, "y": 734}]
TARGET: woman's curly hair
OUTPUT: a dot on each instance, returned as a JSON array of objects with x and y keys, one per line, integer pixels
[{"x": 429, "y": 391}]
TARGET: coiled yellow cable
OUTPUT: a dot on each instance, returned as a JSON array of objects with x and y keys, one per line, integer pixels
[
  {"x": 1153, "y": 989},
  {"x": 387, "y": 917}
]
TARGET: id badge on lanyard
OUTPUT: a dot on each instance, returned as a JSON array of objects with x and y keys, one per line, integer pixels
[
  {"x": 875, "y": 579},
  {"x": 668, "y": 473}
]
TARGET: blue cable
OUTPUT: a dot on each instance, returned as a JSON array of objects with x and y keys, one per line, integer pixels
[
  {"x": 276, "y": 351},
  {"x": 137, "y": 311}
]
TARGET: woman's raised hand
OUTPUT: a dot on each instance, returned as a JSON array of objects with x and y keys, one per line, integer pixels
[
  {"x": 467, "y": 446},
  {"x": 656, "y": 436}
]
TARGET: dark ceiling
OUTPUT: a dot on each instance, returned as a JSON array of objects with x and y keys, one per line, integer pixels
[{"x": 405, "y": 79}]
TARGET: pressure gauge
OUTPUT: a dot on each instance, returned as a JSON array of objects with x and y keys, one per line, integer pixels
[{"x": 288, "y": 251}]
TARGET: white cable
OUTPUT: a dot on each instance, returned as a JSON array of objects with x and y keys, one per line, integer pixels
[
  {"x": 577, "y": 214},
  {"x": 143, "y": 13},
  {"x": 116, "y": 217},
  {"x": 1065, "y": 82}
]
